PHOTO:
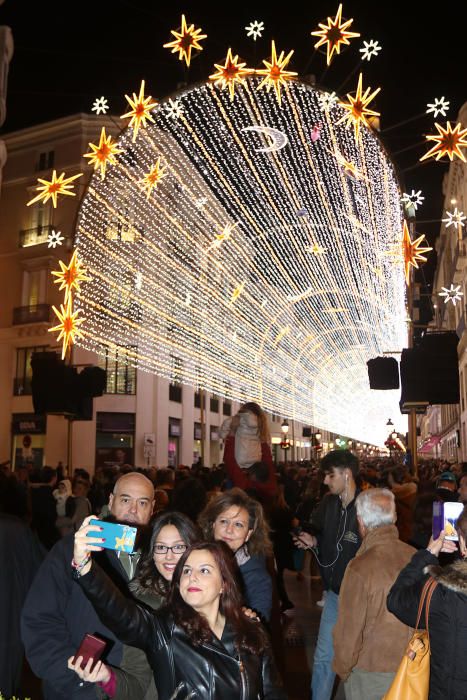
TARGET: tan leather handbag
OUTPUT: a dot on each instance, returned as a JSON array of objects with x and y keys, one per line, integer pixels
[{"x": 412, "y": 680}]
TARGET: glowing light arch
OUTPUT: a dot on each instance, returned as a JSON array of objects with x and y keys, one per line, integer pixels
[{"x": 251, "y": 314}]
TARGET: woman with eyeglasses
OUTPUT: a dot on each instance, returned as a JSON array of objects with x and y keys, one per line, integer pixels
[
  {"x": 200, "y": 646},
  {"x": 172, "y": 534},
  {"x": 238, "y": 520}
]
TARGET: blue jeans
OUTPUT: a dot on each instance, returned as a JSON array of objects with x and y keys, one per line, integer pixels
[{"x": 322, "y": 679}]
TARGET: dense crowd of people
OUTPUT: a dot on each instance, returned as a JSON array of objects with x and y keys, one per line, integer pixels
[{"x": 195, "y": 610}]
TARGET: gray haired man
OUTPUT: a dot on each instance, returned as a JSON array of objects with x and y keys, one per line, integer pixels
[{"x": 368, "y": 640}]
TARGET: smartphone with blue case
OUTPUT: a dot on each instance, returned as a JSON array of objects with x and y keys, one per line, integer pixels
[{"x": 119, "y": 537}]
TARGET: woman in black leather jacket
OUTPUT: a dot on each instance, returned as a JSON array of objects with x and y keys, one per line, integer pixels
[{"x": 200, "y": 646}]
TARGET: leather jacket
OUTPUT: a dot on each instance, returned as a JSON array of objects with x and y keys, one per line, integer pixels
[{"x": 183, "y": 671}]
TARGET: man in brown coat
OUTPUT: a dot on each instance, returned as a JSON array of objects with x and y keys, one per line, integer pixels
[{"x": 369, "y": 641}]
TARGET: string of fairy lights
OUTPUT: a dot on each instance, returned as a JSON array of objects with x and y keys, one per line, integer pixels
[{"x": 246, "y": 236}]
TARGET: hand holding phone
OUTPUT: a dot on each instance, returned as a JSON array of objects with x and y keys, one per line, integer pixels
[
  {"x": 91, "y": 648},
  {"x": 115, "y": 536}
]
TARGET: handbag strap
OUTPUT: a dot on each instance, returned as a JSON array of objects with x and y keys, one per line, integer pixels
[{"x": 427, "y": 593}]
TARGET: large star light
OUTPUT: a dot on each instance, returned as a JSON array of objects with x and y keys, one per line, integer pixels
[
  {"x": 186, "y": 39},
  {"x": 334, "y": 34},
  {"x": 230, "y": 74},
  {"x": 263, "y": 276},
  {"x": 448, "y": 142},
  {"x": 357, "y": 108},
  {"x": 413, "y": 251},
  {"x": 50, "y": 189},
  {"x": 141, "y": 107},
  {"x": 275, "y": 75},
  {"x": 103, "y": 153},
  {"x": 68, "y": 326},
  {"x": 153, "y": 177},
  {"x": 70, "y": 276}
]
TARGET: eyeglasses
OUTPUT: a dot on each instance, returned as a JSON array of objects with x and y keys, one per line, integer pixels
[{"x": 176, "y": 549}]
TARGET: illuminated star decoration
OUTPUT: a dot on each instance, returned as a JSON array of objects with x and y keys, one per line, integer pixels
[
  {"x": 68, "y": 325},
  {"x": 237, "y": 291},
  {"x": 103, "y": 153},
  {"x": 54, "y": 239},
  {"x": 439, "y": 106},
  {"x": 153, "y": 177},
  {"x": 315, "y": 249},
  {"x": 327, "y": 100},
  {"x": 230, "y": 73},
  {"x": 412, "y": 251},
  {"x": 100, "y": 106},
  {"x": 453, "y": 294},
  {"x": 140, "y": 110},
  {"x": 224, "y": 235},
  {"x": 454, "y": 218},
  {"x": 357, "y": 108},
  {"x": 416, "y": 199},
  {"x": 333, "y": 34},
  {"x": 186, "y": 39},
  {"x": 369, "y": 49},
  {"x": 350, "y": 169},
  {"x": 174, "y": 109},
  {"x": 255, "y": 29},
  {"x": 448, "y": 142},
  {"x": 274, "y": 73},
  {"x": 70, "y": 276},
  {"x": 51, "y": 189}
]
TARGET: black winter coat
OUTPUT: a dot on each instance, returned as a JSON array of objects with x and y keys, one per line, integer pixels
[
  {"x": 447, "y": 620},
  {"x": 213, "y": 671}
]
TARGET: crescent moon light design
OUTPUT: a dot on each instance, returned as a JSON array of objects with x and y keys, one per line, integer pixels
[{"x": 279, "y": 139}]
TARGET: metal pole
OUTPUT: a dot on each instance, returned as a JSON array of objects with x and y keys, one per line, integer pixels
[
  {"x": 201, "y": 399},
  {"x": 70, "y": 447},
  {"x": 413, "y": 413}
]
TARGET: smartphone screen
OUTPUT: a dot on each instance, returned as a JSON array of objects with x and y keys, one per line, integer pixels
[
  {"x": 451, "y": 513},
  {"x": 90, "y": 648}
]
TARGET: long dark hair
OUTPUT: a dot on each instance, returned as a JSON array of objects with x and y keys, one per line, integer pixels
[
  {"x": 249, "y": 634},
  {"x": 148, "y": 577}
]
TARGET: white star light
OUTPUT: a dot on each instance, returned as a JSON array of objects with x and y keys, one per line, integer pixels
[
  {"x": 54, "y": 239},
  {"x": 454, "y": 218},
  {"x": 174, "y": 109},
  {"x": 369, "y": 49},
  {"x": 327, "y": 100},
  {"x": 100, "y": 106},
  {"x": 414, "y": 198},
  {"x": 452, "y": 294},
  {"x": 439, "y": 106},
  {"x": 255, "y": 29}
]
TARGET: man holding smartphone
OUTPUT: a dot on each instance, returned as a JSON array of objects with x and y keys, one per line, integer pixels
[{"x": 57, "y": 615}]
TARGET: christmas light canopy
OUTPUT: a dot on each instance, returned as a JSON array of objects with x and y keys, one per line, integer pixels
[
  {"x": 448, "y": 142},
  {"x": 439, "y": 106},
  {"x": 357, "y": 111},
  {"x": 50, "y": 189},
  {"x": 141, "y": 107},
  {"x": 250, "y": 274},
  {"x": 186, "y": 39},
  {"x": 334, "y": 34},
  {"x": 453, "y": 294}
]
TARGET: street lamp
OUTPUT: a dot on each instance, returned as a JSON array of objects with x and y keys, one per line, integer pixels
[
  {"x": 389, "y": 422},
  {"x": 285, "y": 444}
]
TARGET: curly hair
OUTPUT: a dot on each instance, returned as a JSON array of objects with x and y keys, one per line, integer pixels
[
  {"x": 259, "y": 542},
  {"x": 249, "y": 634},
  {"x": 148, "y": 577}
]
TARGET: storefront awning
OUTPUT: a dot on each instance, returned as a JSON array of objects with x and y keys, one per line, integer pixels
[{"x": 429, "y": 444}]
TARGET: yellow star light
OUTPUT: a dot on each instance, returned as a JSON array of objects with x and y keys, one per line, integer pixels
[
  {"x": 186, "y": 39},
  {"x": 68, "y": 325},
  {"x": 357, "y": 108},
  {"x": 275, "y": 75},
  {"x": 449, "y": 141},
  {"x": 103, "y": 153},
  {"x": 237, "y": 291},
  {"x": 333, "y": 34},
  {"x": 153, "y": 177},
  {"x": 230, "y": 73},
  {"x": 57, "y": 185},
  {"x": 316, "y": 249},
  {"x": 140, "y": 110},
  {"x": 412, "y": 251},
  {"x": 224, "y": 235},
  {"x": 70, "y": 276}
]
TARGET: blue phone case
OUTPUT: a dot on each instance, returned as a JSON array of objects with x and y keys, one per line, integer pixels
[{"x": 119, "y": 537}]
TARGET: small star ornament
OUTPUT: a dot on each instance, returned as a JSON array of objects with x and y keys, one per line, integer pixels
[
  {"x": 454, "y": 218},
  {"x": 452, "y": 294},
  {"x": 255, "y": 30},
  {"x": 54, "y": 239},
  {"x": 327, "y": 100},
  {"x": 100, "y": 106},
  {"x": 439, "y": 106},
  {"x": 369, "y": 49},
  {"x": 416, "y": 199},
  {"x": 174, "y": 109}
]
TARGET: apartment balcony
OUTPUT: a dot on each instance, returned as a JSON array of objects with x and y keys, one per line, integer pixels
[
  {"x": 34, "y": 236},
  {"x": 40, "y": 313}
]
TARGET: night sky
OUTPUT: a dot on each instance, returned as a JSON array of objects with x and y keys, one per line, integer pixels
[{"x": 68, "y": 54}]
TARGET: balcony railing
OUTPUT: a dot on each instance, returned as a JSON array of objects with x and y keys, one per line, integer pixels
[
  {"x": 22, "y": 386},
  {"x": 34, "y": 236},
  {"x": 31, "y": 314}
]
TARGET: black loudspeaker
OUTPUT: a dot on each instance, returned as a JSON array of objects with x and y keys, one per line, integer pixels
[
  {"x": 383, "y": 373},
  {"x": 92, "y": 381},
  {"x": 306, "y": 432},
  {"x": 430, "y": 372}
]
